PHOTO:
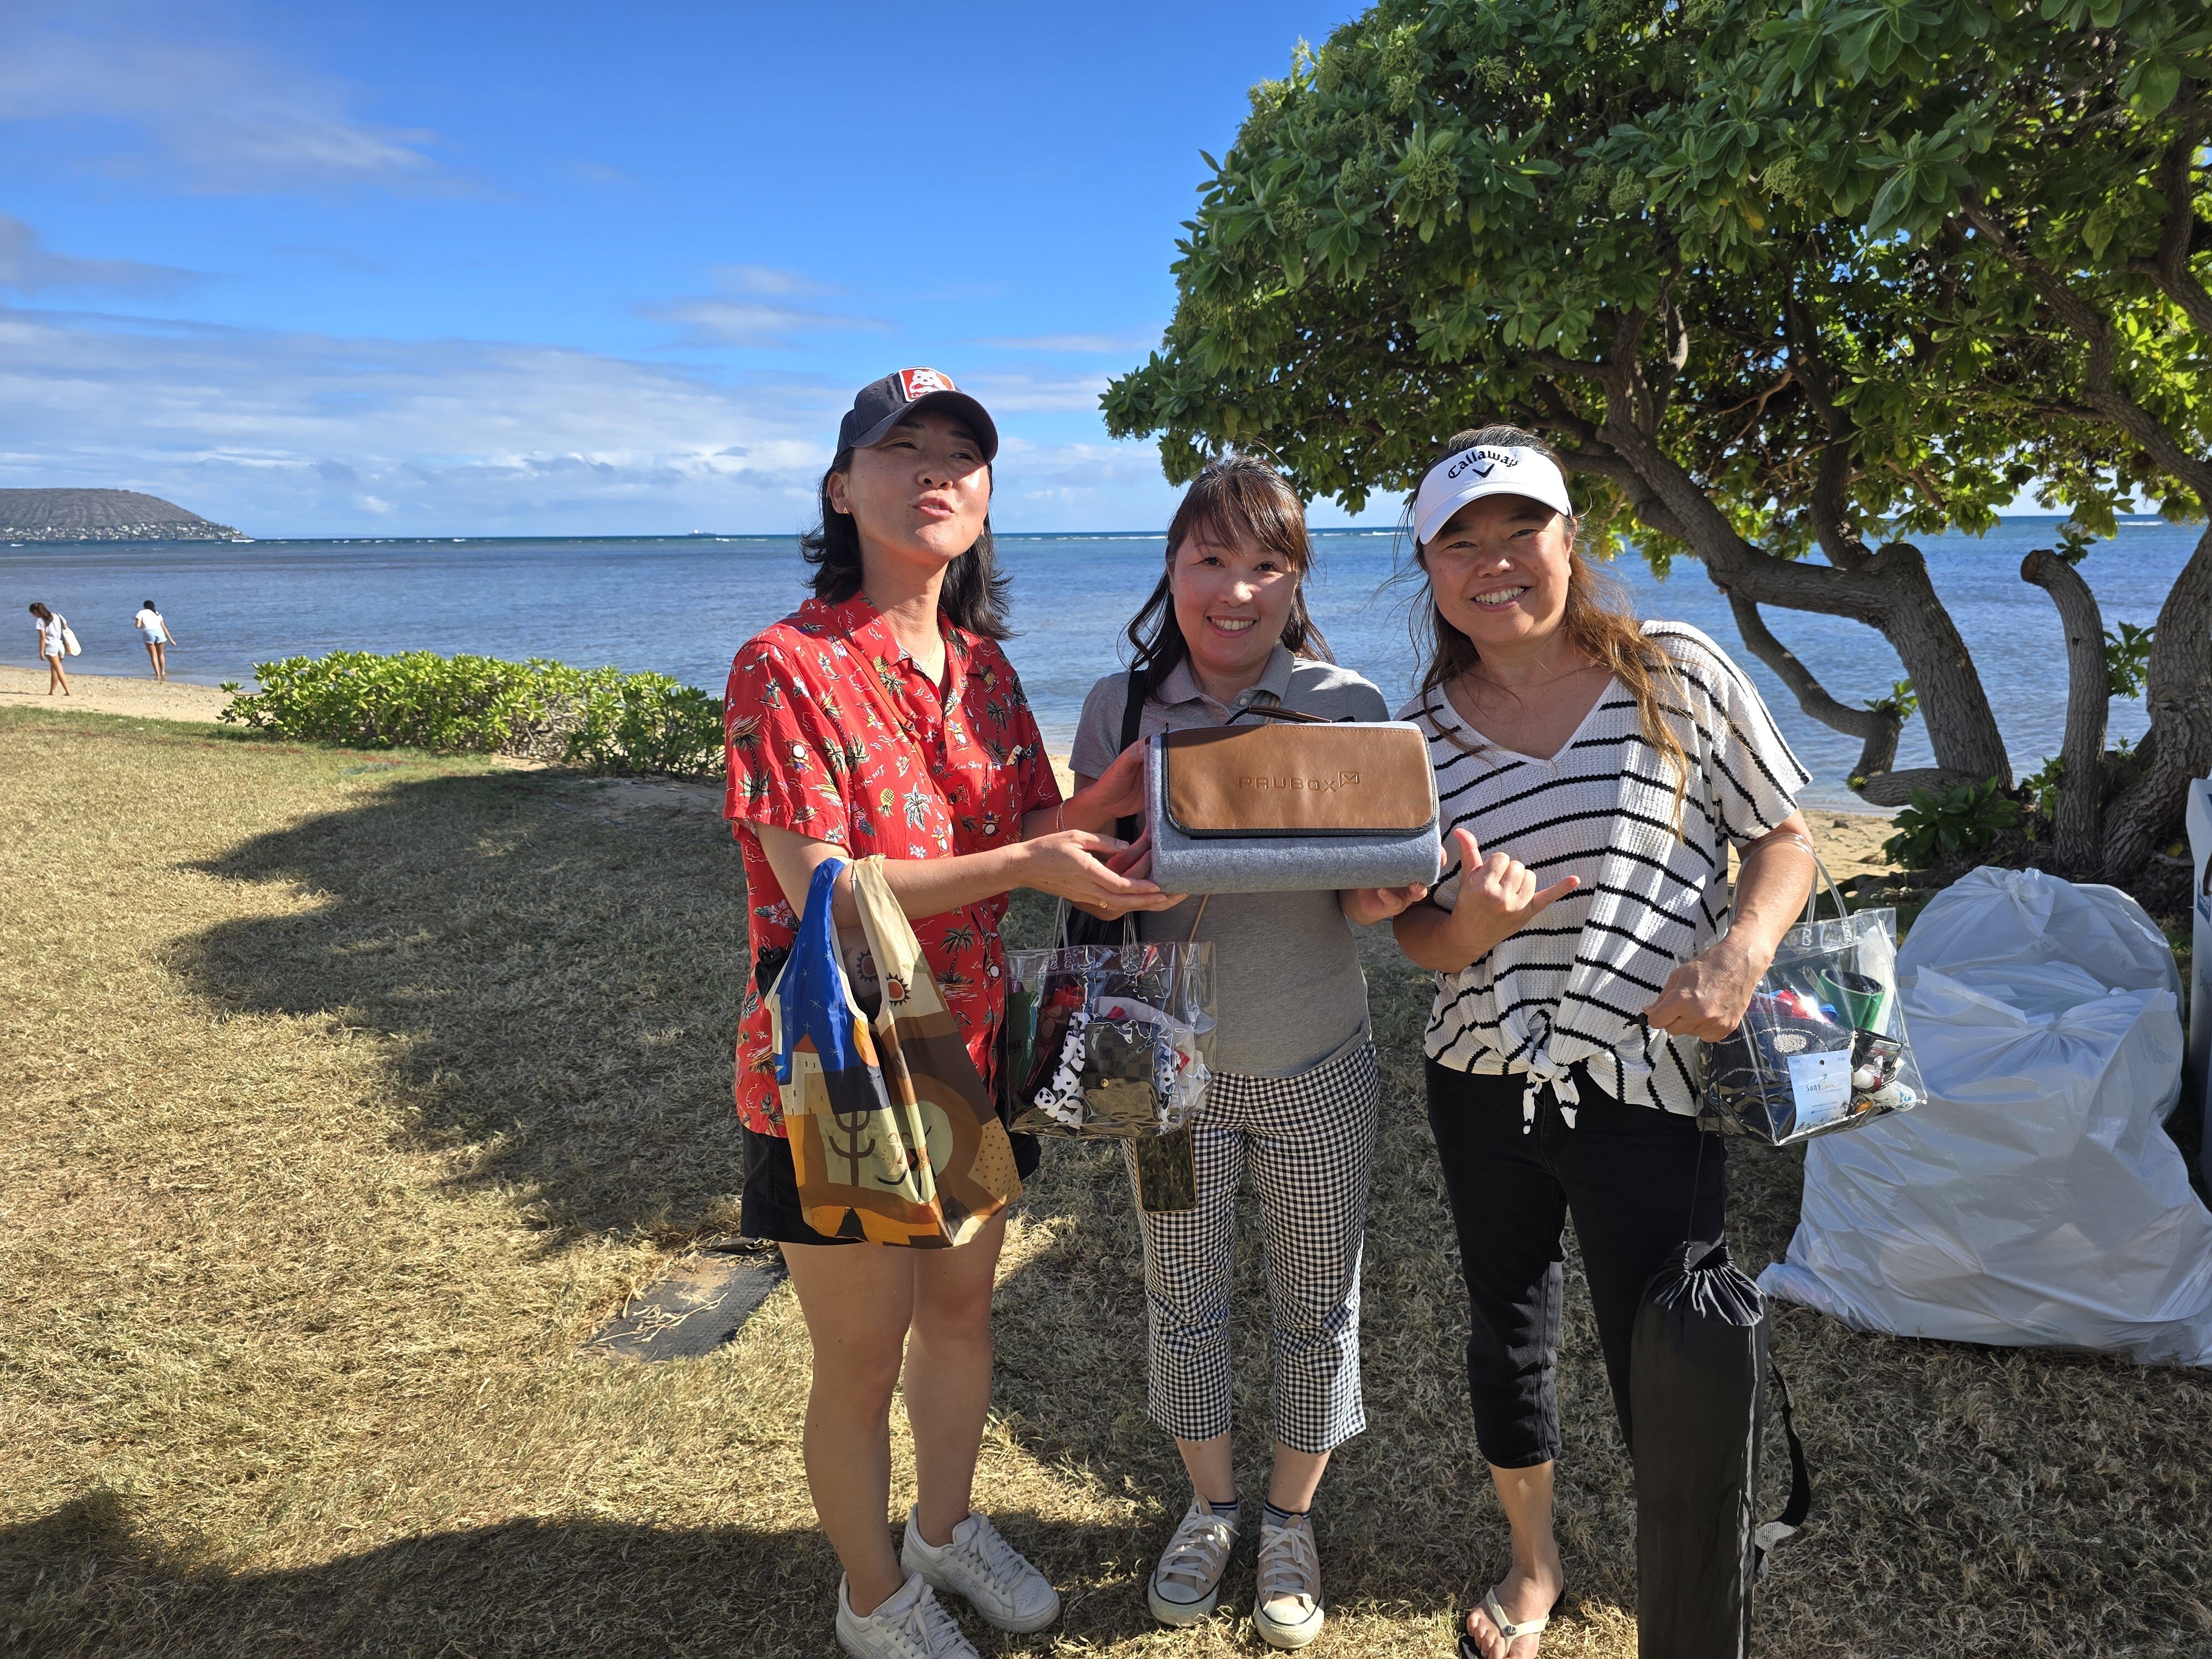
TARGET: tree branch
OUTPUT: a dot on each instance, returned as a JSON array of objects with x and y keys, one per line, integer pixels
[
  {"x": 1830, "y": 503},
  {"x": 2079, "y": 821},
  {"x": 1572, "y": 369},
  {"x": 2170, "y": 268},
  {"x": 1875, "y": 728},
  {"x": 2100, "y": 391}
]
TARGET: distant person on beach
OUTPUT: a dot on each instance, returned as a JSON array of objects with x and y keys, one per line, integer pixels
[
  {"x": 53, "y": 645},
  {"x": 1596, "y": 771},
  {"x": 883, "y": 718},
  {"x": 158, "y": 638},
  {"x": 1295, "y": 1092}
]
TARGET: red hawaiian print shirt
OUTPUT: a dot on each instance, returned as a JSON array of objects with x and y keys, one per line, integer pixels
[{"x": 812, "y": 751}]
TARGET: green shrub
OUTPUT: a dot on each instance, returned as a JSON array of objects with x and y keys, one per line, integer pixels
[
  {"x": 646, "y": 723},
  {"x": 601, "y": 718},
  {"x": 1963, "y": 818}
]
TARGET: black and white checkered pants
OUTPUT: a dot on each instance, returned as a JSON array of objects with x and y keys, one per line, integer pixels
[{"x": 1309, "y": 1142}]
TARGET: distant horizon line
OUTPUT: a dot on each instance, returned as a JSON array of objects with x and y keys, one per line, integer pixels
[{"x": 2138, "y": 520}]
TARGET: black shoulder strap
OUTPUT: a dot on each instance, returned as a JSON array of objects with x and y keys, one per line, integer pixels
[
  {"x": 1133, "y": 709},
  {"x": 1795, "y": 1512},
  {"x": 1133, "y": 716}
]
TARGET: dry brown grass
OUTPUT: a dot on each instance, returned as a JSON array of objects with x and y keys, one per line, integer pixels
[{"x": 350, "y": 1095}]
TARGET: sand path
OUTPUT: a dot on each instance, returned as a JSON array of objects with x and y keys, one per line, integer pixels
[
  {"x": 1849, "y": 843},
  {"x": 109, "y": 694}
]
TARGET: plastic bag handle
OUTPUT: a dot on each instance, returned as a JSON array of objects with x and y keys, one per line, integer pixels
[{"x": 1812, "y": 897}]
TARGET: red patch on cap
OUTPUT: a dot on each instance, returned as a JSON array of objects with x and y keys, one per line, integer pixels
[{"x": 918, "y": 383}]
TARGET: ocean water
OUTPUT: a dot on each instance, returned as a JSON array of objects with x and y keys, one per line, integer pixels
[{"x": 681, "y": 605}]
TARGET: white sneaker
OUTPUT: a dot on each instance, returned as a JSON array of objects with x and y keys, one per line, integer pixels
[
  {"x": 1005, "y": 1590},
  {"x": 1186, "y": 1584},
  {"x": 912, "y": 1624},
  {"x": 1287, "y": 1609}
]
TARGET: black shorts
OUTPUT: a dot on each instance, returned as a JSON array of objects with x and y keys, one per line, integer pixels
[{"x": 770, "y": 1208}]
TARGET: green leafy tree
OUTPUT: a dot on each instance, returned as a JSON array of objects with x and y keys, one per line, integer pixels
[
  {"x": 1477, "y": 209},
  {"x": 2052, "y": 157}
]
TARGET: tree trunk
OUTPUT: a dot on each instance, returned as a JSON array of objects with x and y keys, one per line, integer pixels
[
  {"x": 1891, "y": 593},
  {"x": 2079, "y": 821},
  {"x": 2148, "y": 815}
]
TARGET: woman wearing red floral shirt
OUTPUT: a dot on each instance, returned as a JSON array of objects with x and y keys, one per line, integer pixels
[{"x": 882, "y": 718}]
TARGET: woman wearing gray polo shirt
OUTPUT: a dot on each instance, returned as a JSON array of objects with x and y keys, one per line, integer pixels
[{"x": 1295, "y": 1090}]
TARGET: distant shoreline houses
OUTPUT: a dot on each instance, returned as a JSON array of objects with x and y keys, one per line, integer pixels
[{"x": 103, "y": 515}]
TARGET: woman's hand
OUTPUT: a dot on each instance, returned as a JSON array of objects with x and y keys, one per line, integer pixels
[
  {"x": 1363, "y": 906},
  {"x": 1706, "y": 996},
  {"x": 1080, "y": 868},
  {"x": 1135, "y": 861},
  {"x": 1117, "y": 794},
  {"x": 1497, "y": 897}
]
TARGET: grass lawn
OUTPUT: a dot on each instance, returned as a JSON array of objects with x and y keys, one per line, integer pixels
[{"x": 349, "y": 1093}]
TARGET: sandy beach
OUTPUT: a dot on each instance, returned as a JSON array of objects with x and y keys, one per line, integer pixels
[{"x": 112, "y": 694}]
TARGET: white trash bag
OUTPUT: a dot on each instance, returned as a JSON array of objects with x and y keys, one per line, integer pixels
[{"x": 2032, "y": 1200}]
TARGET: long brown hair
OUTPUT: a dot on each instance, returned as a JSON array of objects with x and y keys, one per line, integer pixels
[
  {"x": 1599, "y": 622},
  {"x": 1237, "y": 496},
  {"x": 973, "y": 596}
]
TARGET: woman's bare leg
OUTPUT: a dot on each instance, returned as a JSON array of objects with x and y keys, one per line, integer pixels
[
  {"x": 1535, "y": 1579},
  {"x": 161, "y": 659},
  {"x": 1211, "y": 1468},
  {"x": 56, "y": 677},
  {"x": 1296, "y": 1477},
  {"x": 948, "y": 1375},
  {"x": 858, "y": 1300}
]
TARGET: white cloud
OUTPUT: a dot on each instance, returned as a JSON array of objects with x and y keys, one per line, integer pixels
[
  {"x": 1030, "y": 391},
  {"x": 1103, "y": 345},
  {"x": 310, "y": 435},
  {"x": 754, "y": 309},
  {"x": 220, "y": 116},
  {"x": 27, "y": 269}
]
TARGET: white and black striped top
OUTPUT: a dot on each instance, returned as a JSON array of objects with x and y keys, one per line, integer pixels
[{"x": 1572, "y": 985}]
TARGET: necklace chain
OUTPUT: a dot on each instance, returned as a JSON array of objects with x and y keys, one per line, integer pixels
[{"x": 1567, "y": 673}]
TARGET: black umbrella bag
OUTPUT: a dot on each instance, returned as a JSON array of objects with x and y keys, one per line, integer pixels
[{"x": 1698, "y": 1368}]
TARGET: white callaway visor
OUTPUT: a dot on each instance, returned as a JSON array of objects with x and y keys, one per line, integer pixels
[{"x": 1485, "y": 470}]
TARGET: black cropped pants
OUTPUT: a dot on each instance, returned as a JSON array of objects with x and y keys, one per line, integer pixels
[{"x": 1638, "y": 1181}]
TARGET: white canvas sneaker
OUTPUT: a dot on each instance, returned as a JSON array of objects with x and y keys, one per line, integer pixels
[
  {"x": 1186, "y": 1584},
  {"x": 1009, "y": 1592},
  {"x": 911, "y": 1624},
  {"x": 1287, "y": 1609}
]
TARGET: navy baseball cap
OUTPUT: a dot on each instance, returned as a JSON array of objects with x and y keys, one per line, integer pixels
[{"x": 881, "y": 404}]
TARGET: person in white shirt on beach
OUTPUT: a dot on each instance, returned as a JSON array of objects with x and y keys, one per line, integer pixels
[
  {"x": 158, "y": 638},
  {"x": 53, "y": 644}
]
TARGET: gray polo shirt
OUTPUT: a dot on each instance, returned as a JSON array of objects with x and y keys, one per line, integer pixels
[{"x": 1286, "y": 967}]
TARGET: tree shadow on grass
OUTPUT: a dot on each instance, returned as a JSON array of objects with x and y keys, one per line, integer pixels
[
  {"x": 82, "y": 1581},
  {"x": 561, "y": 992}
]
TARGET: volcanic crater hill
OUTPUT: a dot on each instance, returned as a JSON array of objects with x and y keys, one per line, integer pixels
[{"x": 102, "y": 515}]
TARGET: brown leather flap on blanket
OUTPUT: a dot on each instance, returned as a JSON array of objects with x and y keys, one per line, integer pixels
[{"x": 1305, "y": 780}]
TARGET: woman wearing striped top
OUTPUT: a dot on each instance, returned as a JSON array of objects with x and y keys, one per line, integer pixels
[{"x": 1593, "y": 773}]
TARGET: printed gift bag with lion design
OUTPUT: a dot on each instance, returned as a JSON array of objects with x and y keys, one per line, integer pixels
[{"x": 892, "y": 1132}]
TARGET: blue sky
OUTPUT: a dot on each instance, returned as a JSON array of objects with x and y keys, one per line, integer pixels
[{"x": 564, "y": 268}]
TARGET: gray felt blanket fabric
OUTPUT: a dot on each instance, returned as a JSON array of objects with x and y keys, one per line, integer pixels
[{"x": 1282, "y": 863}]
